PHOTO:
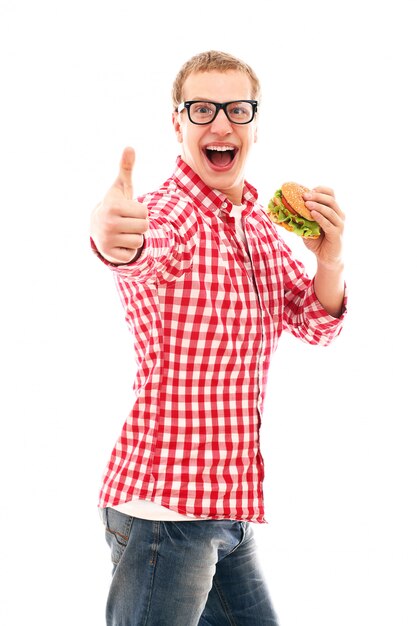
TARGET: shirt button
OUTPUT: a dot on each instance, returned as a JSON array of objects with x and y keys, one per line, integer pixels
[{"x": 224, "y": 205}]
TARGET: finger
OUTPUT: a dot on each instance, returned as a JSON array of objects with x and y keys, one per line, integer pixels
[
  {"x": 133, "y": 225},
  {"x": 127, "y": 241},
  {"x": 111, "y": 245},
  {"x": 320, "y": 200},
  {"x": 326, "y": 190},
  {"x": 123, "y": 255},
  {"x": 128, "y": 209},
  {"x": 124, "y": 178},
  {"x": 328, "y": 219},
  {"x": 333, "y": 216}
]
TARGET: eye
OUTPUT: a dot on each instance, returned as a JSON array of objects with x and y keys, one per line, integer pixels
[
  {"x": 203, "y": 109},
  {"x": 240, "y": 110}
]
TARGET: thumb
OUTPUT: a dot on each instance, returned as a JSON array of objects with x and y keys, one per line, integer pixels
[{"x": 124, "y": 179}]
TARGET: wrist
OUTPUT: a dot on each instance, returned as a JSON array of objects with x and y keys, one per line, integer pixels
[{"x": 332, "y": 267}]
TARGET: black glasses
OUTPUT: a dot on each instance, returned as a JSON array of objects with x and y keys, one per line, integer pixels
[{"x": 237, "y": 111}]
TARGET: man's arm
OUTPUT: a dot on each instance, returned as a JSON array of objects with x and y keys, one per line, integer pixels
[
  {"x": 329, "y": 284},
  {"x": 329, "y": 287}
]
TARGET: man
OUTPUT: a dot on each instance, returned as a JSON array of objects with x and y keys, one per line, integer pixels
[{"x": 208, "y": 285}]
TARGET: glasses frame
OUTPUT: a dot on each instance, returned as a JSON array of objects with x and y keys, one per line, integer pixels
[{"x": 219, "y": 106}]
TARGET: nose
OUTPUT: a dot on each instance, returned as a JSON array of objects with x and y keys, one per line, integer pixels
[{"x": 221, "y": 125}]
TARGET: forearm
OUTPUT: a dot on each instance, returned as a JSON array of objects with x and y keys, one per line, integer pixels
[{"x": 329, "y": 286}]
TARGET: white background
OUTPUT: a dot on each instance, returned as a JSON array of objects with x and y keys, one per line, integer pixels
[{"x": 79, "y": 81}]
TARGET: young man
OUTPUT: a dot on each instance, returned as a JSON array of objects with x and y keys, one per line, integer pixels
[{"x": 208, "y": 285}]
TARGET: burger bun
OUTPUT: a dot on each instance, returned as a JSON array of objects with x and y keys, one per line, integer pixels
[{"x": 293, "y": 194}]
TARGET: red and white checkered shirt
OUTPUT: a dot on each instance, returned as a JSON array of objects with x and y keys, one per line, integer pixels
[{"x": 206, "y": 313}]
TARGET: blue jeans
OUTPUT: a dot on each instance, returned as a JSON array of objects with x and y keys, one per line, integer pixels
[{"x": 198, "y": 573}]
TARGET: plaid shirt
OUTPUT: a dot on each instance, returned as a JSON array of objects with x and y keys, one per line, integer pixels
[{"x": 206, "y": 313}]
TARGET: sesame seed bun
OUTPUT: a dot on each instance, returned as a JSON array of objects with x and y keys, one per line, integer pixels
[{"x": 293, "y": 194}]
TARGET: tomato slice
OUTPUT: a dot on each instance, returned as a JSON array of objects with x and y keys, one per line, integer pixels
[{"x": 288, "y": 206}]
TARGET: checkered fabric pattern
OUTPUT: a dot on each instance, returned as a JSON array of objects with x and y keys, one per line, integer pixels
[{"x": 205, "y": 313}]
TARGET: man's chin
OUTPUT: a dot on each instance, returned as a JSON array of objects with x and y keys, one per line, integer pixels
[{"x": 229, "y": 186}]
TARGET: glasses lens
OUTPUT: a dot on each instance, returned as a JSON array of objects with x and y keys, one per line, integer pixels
[
  {"x": 240, "y": 112},
  {"x": 202, "y": 112}
]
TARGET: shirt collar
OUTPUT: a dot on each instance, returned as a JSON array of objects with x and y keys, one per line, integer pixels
[{"x": 210, "y": 199}]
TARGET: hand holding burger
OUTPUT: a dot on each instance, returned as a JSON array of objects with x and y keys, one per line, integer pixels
[{"x": 314, "y": 215}]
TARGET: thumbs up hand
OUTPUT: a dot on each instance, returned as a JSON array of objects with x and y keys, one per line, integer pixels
[{"x": 118, "y": 222}]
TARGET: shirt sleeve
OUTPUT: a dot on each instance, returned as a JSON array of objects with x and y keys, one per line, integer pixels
[
  {"x": 169, "y": 243},
  {"x": 304, "y": 316}
]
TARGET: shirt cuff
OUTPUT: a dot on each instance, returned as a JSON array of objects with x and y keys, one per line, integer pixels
[{"x": 322, "y": 327}]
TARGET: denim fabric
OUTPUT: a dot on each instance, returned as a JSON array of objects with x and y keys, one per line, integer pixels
[{"x": 197, "y": 573}]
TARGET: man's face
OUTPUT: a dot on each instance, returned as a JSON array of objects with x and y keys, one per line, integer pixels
[{"x": 226, "y": 173}]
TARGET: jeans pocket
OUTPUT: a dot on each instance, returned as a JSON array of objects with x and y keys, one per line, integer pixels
[{"x": 118, "y": 529}]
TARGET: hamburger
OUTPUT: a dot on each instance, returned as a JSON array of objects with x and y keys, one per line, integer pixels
[{"x": 287, "y": 209}]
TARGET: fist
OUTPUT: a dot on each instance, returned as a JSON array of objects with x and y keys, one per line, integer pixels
[{"x": 118, "y": 222}]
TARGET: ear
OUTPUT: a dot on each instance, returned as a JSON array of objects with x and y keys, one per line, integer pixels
[{"x": 176, "y": 120}]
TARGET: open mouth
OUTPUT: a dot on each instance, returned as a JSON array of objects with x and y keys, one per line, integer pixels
[{"x": 220, "y": 156}]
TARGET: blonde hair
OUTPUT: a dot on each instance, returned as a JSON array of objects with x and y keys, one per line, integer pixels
[{"x": 213, "y": 61}]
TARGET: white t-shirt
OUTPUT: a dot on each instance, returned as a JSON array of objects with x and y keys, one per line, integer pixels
[{"x": 236, "y": 212}]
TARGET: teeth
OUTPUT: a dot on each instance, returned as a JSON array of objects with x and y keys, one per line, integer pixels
[{"x": 220, "y": 148}]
